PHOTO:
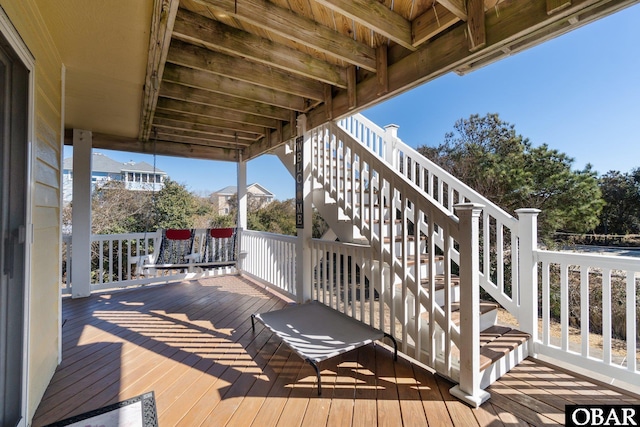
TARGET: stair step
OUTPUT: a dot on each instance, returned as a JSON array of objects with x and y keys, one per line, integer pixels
[
  {"x": 424, "y": 258},
  {"x": 410, "y": 238},
  {"x": 498, "y": 341},
  {"x": 455, "y": 281},
  {"x": 485, "y": 307}
]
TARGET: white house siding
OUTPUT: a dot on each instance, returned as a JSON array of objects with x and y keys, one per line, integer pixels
[{"x": 47, "y": 146}]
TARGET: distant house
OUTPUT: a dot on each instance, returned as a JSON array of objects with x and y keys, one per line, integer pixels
[
  {"x": 139, "y": 176},
  {"x": 258, "y": 196}
]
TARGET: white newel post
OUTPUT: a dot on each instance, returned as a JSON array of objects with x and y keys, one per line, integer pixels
[
  {"x": 241, "y": 222},
  {"x": 81, "y": 215},
  {"x": 304, "y": 202},
  {"x": 528, "y": 274},
  {"x": 391, "y": 134},
  {"x": 468, "y": 390}
]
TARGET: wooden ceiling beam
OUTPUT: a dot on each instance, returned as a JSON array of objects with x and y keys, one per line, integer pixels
[
  {"x": 164, "y": 15},
  {"x": 201, "y": 96},
  {"x": 191, "y": 56},
  {"x": 302, "y": 30},
  {"x": 476, "y": 25},
  {"x": 226, "y": 126},
  {"x": 208, "y": 111},
  {"x": 240, "y": 89},
  {"x": 376, "y": 16},
  {"x": 457, "y": 7},
  {"x": 197, "y": 29},
  {"x": 519, "y": 22},
  {"x": 161, "y": 148},
  {"x": 431, "y": 23}
]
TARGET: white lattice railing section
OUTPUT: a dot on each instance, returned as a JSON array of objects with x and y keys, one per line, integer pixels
[
  {"x": 498, "y": 245},
  {"x": 270, "y": 258},
  {"x": 590, "y": 312},
  {"x": 376, "y": 198}
]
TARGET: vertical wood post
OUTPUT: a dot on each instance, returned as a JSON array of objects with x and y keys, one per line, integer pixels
[
  {"x": 528, "y": 274},
  {"x": 81, "y": 216},
  {"x": 468, "y": 390},
  {"x": 303, "y": 249}
]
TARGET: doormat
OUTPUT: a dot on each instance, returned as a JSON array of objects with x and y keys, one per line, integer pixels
[{"x": 139, "y": 411}]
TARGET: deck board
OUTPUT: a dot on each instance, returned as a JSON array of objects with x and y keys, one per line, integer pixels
[{"x": 192, "y": 344}]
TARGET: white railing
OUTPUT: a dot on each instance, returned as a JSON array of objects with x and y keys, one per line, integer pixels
[
  {"x": 376, "y": 198},
  {"x": 589, "y": 312},
  {"x": 498, "y": 245},
  {"x": 113, "y": 259},
  {"x": 270, "y": 258},
  {"x": 567, "y": 281}
]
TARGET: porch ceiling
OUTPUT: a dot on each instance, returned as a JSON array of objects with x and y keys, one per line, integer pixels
[{"x": 230, "y": 76}]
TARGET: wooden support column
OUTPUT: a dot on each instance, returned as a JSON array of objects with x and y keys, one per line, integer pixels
[
  {"x": 351, "y": 87},
  {"x": 475, "y": 25},
  {"x": 304, "y": 213},
  {"x": 328, "y": 102},
  {"x": 382, "y": 74},
  {"x": 242, "y": 207},
  {"x": 81, "y": 216}
]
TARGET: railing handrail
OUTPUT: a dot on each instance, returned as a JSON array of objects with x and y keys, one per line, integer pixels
[
  {"x": 469, "y": 193},
  {"x": 614, "y": 262}
]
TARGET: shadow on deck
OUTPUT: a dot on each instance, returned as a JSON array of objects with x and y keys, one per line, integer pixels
[{"x": 192, "y": 344}]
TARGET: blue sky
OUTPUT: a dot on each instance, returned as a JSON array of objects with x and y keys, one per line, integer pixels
[{"x": 578, "y": 93}]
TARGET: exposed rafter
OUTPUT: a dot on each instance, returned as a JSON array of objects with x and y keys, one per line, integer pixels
[
  {"x": 268, "y": 16},
  {"x": 164, "y": 14},
  {"x": 375, "y": 15},
  {"x": 199, "y": 30}
]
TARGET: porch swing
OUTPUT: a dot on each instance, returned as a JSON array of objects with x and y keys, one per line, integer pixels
[{"x": 187, "y": 249}]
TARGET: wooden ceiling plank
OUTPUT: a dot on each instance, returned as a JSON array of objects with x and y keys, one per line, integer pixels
[
  {"x": 240, "y": 89},
  {"x": 201, "y": 96},
  {"x": 205, "y": 129},
  {"x": 374, "y": 15},
  {"x": 302, "y": 30},
  {"x": 431, "y": 23},
  {"x": 164, "y": 14},
  {"x": 197, "y": 29},
  {"x": 457, "y": 7},
  {"x": 208, "y": 111},
  {"x": 195, "y": 136},
  {"x": 225, "y": 125},
  {"x": 475, "y": 25},
  {"x": 191, "y": 56}
]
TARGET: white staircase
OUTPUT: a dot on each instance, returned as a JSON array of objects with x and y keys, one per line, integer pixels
[{"x": 424, "y": 258}]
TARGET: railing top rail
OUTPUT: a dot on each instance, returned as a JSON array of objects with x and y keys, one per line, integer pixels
[
  {"x": 465, "y": 190},
  {"x": 413, "y": 190},
  {"x": 593, "y": 260},
  {"x": 273, "y": 236}
]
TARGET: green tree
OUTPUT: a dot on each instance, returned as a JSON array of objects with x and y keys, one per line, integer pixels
[
  {"x": 174, "y": 206},
  {"x": 488, "y": 155},
  {"x": 621, "y": 192}
]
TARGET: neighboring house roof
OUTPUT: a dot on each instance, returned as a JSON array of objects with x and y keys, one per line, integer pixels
[
  {"x": 141, "y": 167},
  {"x": 251, "y": 188},
  {"x": 103, "y": 163}
]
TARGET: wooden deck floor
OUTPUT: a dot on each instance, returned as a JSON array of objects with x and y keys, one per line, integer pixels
[{"x": 192, "y": 344}]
